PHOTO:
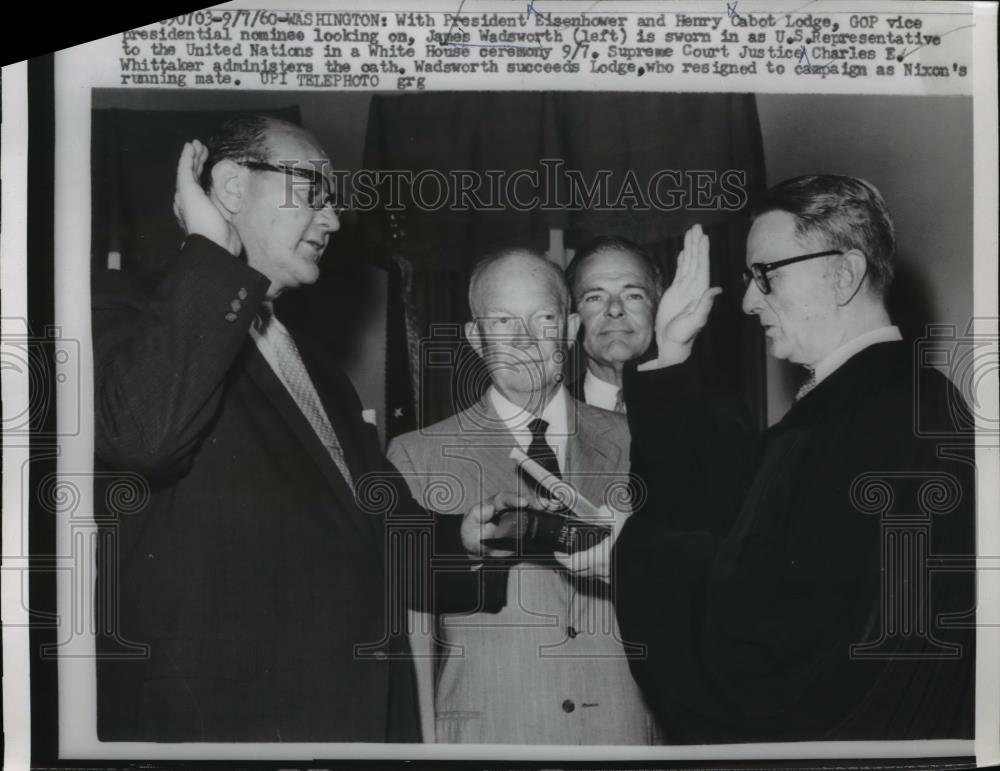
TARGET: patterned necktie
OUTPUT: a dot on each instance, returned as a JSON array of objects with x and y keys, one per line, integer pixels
[
  {"x": 293, "y": 373},
  {"x": 620, "y": 402}
]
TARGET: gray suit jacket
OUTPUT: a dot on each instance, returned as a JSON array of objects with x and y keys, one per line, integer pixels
[{"x": 550, "y": 667}]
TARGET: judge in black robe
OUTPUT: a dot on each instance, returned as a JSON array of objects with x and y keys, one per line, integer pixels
[{"x": 812, "y": 583}]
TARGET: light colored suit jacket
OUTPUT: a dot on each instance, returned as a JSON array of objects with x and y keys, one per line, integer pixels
[{"x": 550, "y": 667}]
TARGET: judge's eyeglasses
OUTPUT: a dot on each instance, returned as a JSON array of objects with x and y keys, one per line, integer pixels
[{"x": 758, "y": 271}]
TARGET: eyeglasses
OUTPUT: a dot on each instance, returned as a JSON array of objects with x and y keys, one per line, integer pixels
[
  {"x": 758, "y": 270},
  {"x": 316, "y": 196}
]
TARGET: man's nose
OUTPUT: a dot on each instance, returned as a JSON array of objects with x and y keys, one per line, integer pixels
[
  {"x": 615, "y": 308},
  {"x": 752, "y": 298},
  {"x": 327, "y": 219}
]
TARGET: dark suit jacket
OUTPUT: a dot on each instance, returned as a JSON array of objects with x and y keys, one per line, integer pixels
[
  {"x": 259, "y": 584},
  {"x": 817, "y": 616}
]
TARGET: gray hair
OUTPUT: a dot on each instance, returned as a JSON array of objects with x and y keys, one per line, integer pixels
[{"x": 849, "y": 213}]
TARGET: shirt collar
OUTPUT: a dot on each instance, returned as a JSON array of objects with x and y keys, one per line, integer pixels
[
  {"x": 832, "y": 361},
  {"x": 599, "y": 393},
  {"x": 517, "y": 418}
]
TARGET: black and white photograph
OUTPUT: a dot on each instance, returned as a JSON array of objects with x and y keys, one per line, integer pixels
[{"x": 415, "y": 412}]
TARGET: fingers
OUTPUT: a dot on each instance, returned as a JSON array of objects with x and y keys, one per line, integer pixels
[
  {"x": 703, "y": 245},
  {"x": 200, "y": 156},
  {"x": 540, "y": 503},
  {"x": 191, "y": 163},
  {"x": 686, "y": 259},
  {"x": 691, "y": 273},
  {"x": 701, "y": 262},
  {"x": 576, "y": 563},
  {"x": 590, "y": 563},
  {"x": 184, "y": 163},
  {"x": 476, "y": 526},
  {"x": 509, "y": 500}
]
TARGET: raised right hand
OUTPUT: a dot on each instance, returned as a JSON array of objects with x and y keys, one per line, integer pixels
[
  {"x": 684, "y": 307},
  {"x": 194, "y": 210}
]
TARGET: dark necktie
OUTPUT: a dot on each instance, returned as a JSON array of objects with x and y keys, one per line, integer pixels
[{"x": 539, "y": 450}]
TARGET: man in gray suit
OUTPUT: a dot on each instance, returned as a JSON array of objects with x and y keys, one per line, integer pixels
[{"x": 549, "y": 667}]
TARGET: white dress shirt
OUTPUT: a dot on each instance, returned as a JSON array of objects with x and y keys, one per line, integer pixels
[
  {"x": 517, "y": 419},
  {"x": 600, "y": 393}
]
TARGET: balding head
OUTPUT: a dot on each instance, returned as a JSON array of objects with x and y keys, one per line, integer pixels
[
  {"x": 496, "y": 270},
  {"x": 246, "y": 138},
  {"x": 522, "y": 327}
]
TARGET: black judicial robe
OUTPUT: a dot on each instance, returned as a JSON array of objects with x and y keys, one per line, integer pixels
[{"x": 795, "y": 586}]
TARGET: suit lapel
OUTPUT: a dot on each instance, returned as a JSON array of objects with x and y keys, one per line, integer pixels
[
  {"x": 263, "y": 376},
  {"x": 589, "y": 446},
  {"x": 591, "y": 451}
]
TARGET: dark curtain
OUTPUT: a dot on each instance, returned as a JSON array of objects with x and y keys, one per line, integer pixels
[
  {"x": 630, "y": 137},
  {"x": 449, "y": 132},
  {"x": 698, "y": 135}
]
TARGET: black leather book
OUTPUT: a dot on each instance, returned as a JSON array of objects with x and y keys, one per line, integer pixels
[{"x": 530, "y": 532}]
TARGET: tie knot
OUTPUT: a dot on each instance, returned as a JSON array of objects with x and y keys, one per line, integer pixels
[
  {"x": 538, "y": 427},
  {"x": 264, "y": 315}
]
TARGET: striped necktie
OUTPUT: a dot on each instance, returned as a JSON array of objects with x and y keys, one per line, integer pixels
[
  {"x": 542, "y": 453},
  {"x": 272, "y": 336}
]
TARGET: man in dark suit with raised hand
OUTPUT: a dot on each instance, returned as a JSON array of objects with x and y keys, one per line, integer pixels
[
  {"x": 820, "y": 614},
  {"x": 257, "y": 575}
]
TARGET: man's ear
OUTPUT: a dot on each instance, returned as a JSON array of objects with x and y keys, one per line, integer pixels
[
  {"x": 474, "y": 337},
  {"x": 852, "y": 267},
  {"x": 572, "y": 328},
  {"x": 229, "y": 185}
]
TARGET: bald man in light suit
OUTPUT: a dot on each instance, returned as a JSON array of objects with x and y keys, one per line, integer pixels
[{"x": 549, "y": 666}]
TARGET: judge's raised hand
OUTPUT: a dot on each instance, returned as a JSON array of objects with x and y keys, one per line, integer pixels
[
  {"x": 684, "y": 307},
  {"x": 194, "y": 210}
]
